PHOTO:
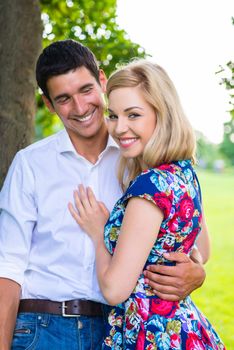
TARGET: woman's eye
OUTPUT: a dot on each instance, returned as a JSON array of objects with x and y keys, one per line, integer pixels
[
  {"x": 112, "y": 117},
  {"x": 133, "y": 115}
]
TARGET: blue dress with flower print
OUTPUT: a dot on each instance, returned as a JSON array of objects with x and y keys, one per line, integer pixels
[{"x": 144, "y": 321}]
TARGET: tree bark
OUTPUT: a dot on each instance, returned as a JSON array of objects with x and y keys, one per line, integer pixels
[{"x": 20, "y": 44}]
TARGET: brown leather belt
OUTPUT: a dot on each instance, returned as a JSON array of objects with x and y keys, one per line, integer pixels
[{"x": 70, "y": 308}]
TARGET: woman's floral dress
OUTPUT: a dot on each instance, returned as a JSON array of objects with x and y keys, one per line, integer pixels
[{"x": 145, "y": 321}]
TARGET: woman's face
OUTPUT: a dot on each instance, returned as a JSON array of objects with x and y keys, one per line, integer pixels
[{"x": 131, "y": 120}]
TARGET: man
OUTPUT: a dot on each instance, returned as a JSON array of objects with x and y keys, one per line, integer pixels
[{"x": 45, "y": 259}]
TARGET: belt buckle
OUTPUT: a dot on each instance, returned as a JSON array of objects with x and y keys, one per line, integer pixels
[{"x": 64, "y": 307}]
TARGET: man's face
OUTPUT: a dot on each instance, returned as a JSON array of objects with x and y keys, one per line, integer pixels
[{"x": 77, "y": 98}]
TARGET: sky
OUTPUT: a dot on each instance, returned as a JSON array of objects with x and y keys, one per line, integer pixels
[{"x": 190, "y": 39}]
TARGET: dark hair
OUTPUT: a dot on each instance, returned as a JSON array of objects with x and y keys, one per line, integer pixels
[{"x": 62, "y": 56}]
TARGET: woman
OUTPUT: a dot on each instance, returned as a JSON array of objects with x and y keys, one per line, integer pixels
[{"x": 159, "y": 212}]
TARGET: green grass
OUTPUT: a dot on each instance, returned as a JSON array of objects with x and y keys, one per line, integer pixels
[{"x": 216, "y": 297}]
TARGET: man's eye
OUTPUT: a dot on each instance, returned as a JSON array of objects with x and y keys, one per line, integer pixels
[
  {"x": 87, "y": 89},
  {"x": 63, "y": 100}
]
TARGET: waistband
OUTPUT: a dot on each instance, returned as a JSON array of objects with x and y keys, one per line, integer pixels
[{"x": 70, "y": 308}]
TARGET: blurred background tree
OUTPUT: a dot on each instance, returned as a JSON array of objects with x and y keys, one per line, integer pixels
[
  {"x": 227, "y": 145},
  {"x": 20, "y": 44},
  {"x": 218, "y": 156},
  {"x": 208, "y": 154}
]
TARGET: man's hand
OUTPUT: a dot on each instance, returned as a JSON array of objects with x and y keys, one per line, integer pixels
[
  {"x": 175, "y": 282},
  {"x": 9, "y": 302}
]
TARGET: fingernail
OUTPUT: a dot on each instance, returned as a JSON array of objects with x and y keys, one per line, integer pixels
[{"x": 167, "y": 255}]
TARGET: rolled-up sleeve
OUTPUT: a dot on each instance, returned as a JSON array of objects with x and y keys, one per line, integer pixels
[{"x": 18, "y": 213}]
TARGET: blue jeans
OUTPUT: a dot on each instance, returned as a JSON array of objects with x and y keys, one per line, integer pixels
[{"x": 42, "y": 331}]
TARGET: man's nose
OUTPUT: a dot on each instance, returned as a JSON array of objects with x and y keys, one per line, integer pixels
[{"x": 79, "y": 105}]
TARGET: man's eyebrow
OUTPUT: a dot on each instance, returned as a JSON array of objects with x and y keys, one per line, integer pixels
[
  {"x": 133, "y": 107},
  {"x": 81, "y": 88}
]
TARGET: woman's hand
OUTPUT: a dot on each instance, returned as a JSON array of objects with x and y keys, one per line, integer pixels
[{"x": 90, "y": 214}]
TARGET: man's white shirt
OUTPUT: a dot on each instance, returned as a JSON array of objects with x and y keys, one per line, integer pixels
[{"x": 41, "y": 246}]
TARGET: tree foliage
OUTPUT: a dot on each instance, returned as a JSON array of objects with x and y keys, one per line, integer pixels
[
  {"x": 227, "y": 145},
  {"x": 94, "y": 24},
  {"x": 208, "y": 153}
]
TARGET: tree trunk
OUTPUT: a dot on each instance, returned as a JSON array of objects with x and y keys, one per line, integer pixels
[{"x": 20, "y": 45}]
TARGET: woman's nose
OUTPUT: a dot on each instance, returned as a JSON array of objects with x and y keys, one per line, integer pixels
[{"x": 121, "y": 125}]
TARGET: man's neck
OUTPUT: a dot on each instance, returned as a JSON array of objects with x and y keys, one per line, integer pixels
[{"x": 91, "y": 148}]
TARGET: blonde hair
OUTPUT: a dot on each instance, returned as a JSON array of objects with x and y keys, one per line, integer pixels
[{"x": 173, "y": 138}]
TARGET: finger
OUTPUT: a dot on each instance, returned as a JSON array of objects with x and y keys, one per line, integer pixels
[
  {"x": 163, "y": 270},
  {"x": 74, "y": 213},
  {"x": 176, "y": 256},
  {"x": 84, "y": 197},
  {"x": 168, "y": 297},
  {"x": 104, "y": 209},
  {"x": 154, "y": 279},
  {"x": 91, "y": 197},
  {"x": 78, "y": 204},
  {"x": 165, "y": 289}
]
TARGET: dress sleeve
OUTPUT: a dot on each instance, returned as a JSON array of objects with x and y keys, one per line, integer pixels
[
  {"x": 197, "y": 186},
  {"x": 18, "y": 214},
  {"x": 153, "y": 185}
]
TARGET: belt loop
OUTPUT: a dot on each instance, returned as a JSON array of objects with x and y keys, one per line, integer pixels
[{"x": 64, "y": 307}]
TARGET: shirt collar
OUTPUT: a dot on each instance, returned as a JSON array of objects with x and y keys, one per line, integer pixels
[
  {"x": 65, "y": 144},
  {"x": 111, "y": 143}
]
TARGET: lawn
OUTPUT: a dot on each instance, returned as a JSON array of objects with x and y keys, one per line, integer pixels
[{"x": 216, "y": 297}]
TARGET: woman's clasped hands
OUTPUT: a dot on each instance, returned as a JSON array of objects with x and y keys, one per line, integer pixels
[{"x": 89, "y": 213}]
